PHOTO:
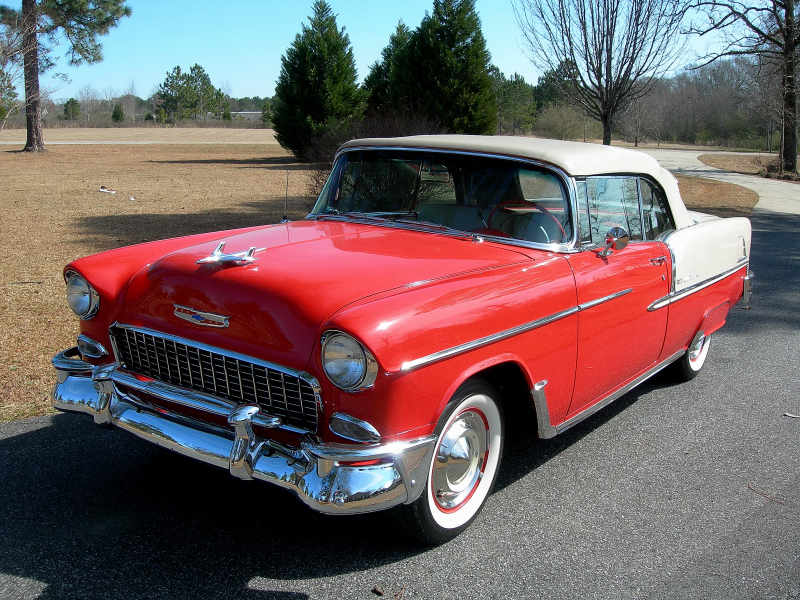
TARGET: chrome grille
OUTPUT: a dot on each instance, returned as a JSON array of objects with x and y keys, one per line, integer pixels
[{"x": 277, "y": 391}]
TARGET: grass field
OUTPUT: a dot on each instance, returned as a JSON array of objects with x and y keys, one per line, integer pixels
[{"x": 189, "y": 181}]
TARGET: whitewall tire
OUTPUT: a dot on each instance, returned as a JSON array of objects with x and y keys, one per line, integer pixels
[{"x": 465, "y": 463}]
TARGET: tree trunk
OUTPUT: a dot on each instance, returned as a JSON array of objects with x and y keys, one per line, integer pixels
[
  {"x": 33, "y": 107},
  {"x": 789, "y": 154},
  {"x": 607, "y": 131}
]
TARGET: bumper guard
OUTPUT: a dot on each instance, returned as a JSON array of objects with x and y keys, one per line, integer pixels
[{"x": 318, "y": 473}]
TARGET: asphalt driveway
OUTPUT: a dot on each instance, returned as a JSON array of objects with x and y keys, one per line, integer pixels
[
  {"x": 675, "y": 491},
  {"x": 774, "y": 195}
]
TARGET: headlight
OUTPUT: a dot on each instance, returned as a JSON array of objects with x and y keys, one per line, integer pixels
[
  {"x": 347, "y": 364},
  {"x": 83, "y": 299}
]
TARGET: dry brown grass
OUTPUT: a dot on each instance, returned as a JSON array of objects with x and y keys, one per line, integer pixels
[
  {"x": 765, "y": 165},
  {"x": 716, "y": 197},
  {"x": 747, "y": 164},
  {"x": 54, "y": 213},
  {"x": 152, "y": 134}
]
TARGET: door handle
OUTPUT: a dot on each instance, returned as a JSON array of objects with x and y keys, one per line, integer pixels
[{"x": 658, "y": 261}]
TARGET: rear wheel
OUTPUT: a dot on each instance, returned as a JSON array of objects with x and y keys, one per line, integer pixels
[
  {"x": 689, "y": 365},
  {"x": 464, "y": 466}
]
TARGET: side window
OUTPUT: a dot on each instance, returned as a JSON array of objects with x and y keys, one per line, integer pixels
[
  {"x": 613, "y": 202},
  {"x": 657, "y": 218}
]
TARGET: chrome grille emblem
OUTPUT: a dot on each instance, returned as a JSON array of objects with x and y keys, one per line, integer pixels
[{"x": 200, "y": 318}]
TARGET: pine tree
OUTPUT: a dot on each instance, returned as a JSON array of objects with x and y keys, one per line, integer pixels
[
  {"x": 317, "y": 90},
  {"x": 175, "y": 95},
  {"x": 72, "y": 110},
  {"x": 444, "y": 72},
  {"x": 118, "y": 115},
  {"x": 383, "y": 75},
  {"x": 44, "y": 23}
]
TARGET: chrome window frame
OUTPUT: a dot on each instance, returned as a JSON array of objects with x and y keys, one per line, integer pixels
[
  {"x": 568, "y": 183},
  {"x": 660, "y": 189},
  {"x": 639, "y": 178}
]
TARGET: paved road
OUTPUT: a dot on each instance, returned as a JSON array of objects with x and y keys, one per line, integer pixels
[
  {"x": 674, "y": 492},
  {"x": 774, "y": 196}
]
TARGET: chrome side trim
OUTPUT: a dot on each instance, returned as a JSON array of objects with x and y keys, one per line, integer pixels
[
  {"x": 593, "y": 303},
  {"x": 485, "y": 341},
  {"x": 502, "y": 335},
  {"x": 588, "y": 412},
  {"x": 675, "y": 296}
]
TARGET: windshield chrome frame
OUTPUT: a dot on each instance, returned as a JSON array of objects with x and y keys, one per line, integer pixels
[{"x": 568, "y": 182}]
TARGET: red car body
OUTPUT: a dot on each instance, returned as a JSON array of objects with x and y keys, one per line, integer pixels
[{"x": 552, "y": 330}]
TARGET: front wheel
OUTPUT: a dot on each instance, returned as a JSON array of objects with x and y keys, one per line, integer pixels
[
  {"x": 464, "y": 466},
  {"x": 689, "y": 365}
]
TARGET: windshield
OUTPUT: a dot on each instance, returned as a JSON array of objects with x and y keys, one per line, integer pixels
[{"x": 474, "y": 194}]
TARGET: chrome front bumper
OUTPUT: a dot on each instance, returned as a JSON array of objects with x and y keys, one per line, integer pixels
[{"x": 318, "y": 473}]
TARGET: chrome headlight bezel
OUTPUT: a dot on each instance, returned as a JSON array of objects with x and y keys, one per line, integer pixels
[
  {"x": 347, "y": 363},
  {"x": 82, "y": 298}
]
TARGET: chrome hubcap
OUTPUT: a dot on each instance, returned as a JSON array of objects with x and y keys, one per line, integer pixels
[{"x": 460, "y": 459}]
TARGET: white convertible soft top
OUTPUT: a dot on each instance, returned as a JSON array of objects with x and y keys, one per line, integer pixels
[{"x": 574, "y": 158}]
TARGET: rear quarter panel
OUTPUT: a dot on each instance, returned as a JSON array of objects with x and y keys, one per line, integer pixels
[
  {"x": 701, "y": 252},
  {"x": 707, "y": 249}
]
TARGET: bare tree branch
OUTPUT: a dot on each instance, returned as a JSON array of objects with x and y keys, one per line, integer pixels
[
  {"x": 764, "y": 28},
  {"x": 612, "y": 51}
]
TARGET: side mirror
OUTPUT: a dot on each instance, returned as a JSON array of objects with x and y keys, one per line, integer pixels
[{"x": 616, "y": 239}]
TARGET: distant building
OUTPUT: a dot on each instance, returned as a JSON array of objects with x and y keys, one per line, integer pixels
[{"x": 247, "y": 115}]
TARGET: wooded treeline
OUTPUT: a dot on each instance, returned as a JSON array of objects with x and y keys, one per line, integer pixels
[{"x": 735, "y": 102}]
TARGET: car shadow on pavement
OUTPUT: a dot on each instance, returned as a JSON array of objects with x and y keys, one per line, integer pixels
[{"x": 95, "y": 513}]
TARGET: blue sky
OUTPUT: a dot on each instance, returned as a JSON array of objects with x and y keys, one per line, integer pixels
[{"x": 240, "y": 44}]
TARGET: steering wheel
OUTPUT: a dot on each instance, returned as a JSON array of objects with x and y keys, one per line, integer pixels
[{"x": 505, "y": 204}]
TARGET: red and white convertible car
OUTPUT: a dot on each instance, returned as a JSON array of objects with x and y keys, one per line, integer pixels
[{"x": 367, "y": 357}]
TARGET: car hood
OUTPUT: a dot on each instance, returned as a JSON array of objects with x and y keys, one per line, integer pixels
[{"x": 304, "y": 272}]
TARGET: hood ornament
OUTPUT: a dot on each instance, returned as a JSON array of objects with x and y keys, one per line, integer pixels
[
  {"x": 200, "y": 318},
  {"x": 236, "y": 258}
]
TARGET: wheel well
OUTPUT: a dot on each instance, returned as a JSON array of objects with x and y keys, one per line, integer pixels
[{"x": 515, "y": 394}]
